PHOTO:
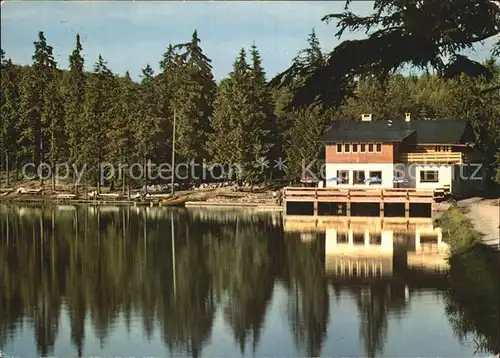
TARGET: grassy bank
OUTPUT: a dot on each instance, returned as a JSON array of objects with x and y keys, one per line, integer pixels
[
  {"x": 472, "y": 301},
  {"x": 458, "y": 231}
]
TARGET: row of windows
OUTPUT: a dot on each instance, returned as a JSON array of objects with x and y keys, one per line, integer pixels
[
  {"x": 359, "y": 147},
  {"x": 375, "y": 177}
]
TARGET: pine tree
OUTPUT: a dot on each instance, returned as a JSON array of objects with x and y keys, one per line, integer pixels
[
  {"x": 33, "y": 93},
  {"x": 243, "y": 119},
  {"x": 53, "y": 124},
  {"x": 165, "y": 85},
  {"x": 9, "y": 95},
  {"x": 147, "y": 122},
  {"x": 74, "y": 104},
  {"x": 267, "y": 134},
  {"x": 302, "y": 145},
  {"x": 193, "y": 99},
  {"x": 123, "y": 116},
  {"x": 97, "y": 105},
  {"x": 312, "y": 55},
  {"x": 230, "y": 113}
]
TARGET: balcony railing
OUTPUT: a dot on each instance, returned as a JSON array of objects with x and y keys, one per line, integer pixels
[{"x": 434, "y": 157}]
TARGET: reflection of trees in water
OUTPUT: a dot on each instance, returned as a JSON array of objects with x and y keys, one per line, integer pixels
[
  {"x": 242, "y": 261},
  {"x": 372, "y": 306},
  {"x": 308, "y": 304},
  {"x": 107, "y": 265},
  {"x": 472, "y": 303}
]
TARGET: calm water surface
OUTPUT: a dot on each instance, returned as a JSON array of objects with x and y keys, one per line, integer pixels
[{"x": 85, "y": 281}]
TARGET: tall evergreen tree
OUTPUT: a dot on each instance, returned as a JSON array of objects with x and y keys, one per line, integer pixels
[
  {"x": 97, "y": 105},
  {"x": 193, "y": 99},
  {"x": 230, "y": 112},
  {"x": 74, "y": 103},
  {"x": 53, "y": 124},
  {"x": 243, "y": 119},
  {"x": 33, "y": 93},
  {"x": 9, "y": 106},
  {"x": 265, "y": 134},
  {"x": 165, "y": 85},
  {"x": 147, "y": 122},
  {"x": 301, "y": 129}
]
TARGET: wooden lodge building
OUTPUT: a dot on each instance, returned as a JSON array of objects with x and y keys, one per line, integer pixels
[
  {"x": 415, "y": 154},
  {"x": 399, "y": 168}
]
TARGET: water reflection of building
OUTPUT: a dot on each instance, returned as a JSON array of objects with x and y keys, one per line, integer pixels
[
  {"x": 378, "y": 248},
  {"x": 364, "y": 253}
]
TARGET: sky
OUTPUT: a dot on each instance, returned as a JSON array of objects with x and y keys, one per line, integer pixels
[{"x": 131, "y": 34}]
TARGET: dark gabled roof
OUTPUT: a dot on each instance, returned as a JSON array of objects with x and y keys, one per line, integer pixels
[
  {"x": 425, "y": 131},
  {"x": 367, "y": 135}
]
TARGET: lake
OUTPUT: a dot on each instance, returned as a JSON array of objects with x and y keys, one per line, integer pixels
[{"x": 139, "y": 281}]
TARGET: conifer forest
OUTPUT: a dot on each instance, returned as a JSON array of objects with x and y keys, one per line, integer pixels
[{"x": 53, "y": 115}]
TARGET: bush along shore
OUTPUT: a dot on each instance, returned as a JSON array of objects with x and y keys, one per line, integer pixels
[
  {"x": 458, "y": 231},
  {"x": 474, "y": 289}
]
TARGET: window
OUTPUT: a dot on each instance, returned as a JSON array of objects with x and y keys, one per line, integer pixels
[
  {"x": 354, "y": 147},
  {"x": 362, "y": 147},
  {"x": 379, "y": 147},
  {"x": 358, "y": 238},
  {"x": 376, "y": 177},
  {"x": 343, "y": 175},
  {"x": 347, "y": 147},
  {"x": 342, "y": 237},
  {"x": 429, "y": 176},
  {"x": 359, "y": 177},
  {"x": 339, "y": 148},
  {"x": 370, "y": 147},
  {"x": 442, "y": 148},
  {"x": 375, "y": 239}
]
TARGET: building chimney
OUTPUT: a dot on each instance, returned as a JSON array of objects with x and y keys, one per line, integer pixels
[
  {"x": 366, "y": 117},
  {"x": 407, "y": 116}
]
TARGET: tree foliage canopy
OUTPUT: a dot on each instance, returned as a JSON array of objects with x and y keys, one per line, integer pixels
[{"x": 425, "y": 34}]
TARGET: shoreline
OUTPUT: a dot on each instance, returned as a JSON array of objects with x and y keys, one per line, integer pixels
[
  {"x": 484, "y": 215},
  {"x": 191, "y": 199}
]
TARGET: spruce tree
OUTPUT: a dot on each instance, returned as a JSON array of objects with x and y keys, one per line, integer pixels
[
  {"x": 53, "y": 124},
  {"x": 147, "y": 122},
  {"x": 33, "y": 92},
  {"x": 264, "y": 118},
  {"x": 74, "y": 104},
  {"x": 243, "y": 120},
  {"x": 9, "y": 107},
  {"x": 193, "y": 99},
  {"x": 165, "y": 85},
  {"x": 123, "y": 115},
  {"x": 302, "y": 144},
  {"x": 300, "y": 129},
  {"x": 97, "y": 105},
  {"x": 231, "y": 110}
]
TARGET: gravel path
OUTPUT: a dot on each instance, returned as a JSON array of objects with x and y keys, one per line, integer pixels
[{"x": 485, "y": 216}]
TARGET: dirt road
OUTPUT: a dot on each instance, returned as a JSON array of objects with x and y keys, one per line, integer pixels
[{"x": 485, "y": 216}]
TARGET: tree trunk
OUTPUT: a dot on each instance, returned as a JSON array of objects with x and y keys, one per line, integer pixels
[
  {"x": 86, "y": 188},
  {"x": 145, "y": 176},
  {"x": 53, "y": 177},
  {"x": 41, "y": 171},
  {"x": 98, "y": 179},
  {"x": 17, "y": 166},
  {"x": 75, "y": 182},
  {"x": 7, "y": 169},
  {"x": 123, "y": 181}
]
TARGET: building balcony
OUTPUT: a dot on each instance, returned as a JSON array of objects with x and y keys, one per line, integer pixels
[{"x": 434, "y": 157}]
